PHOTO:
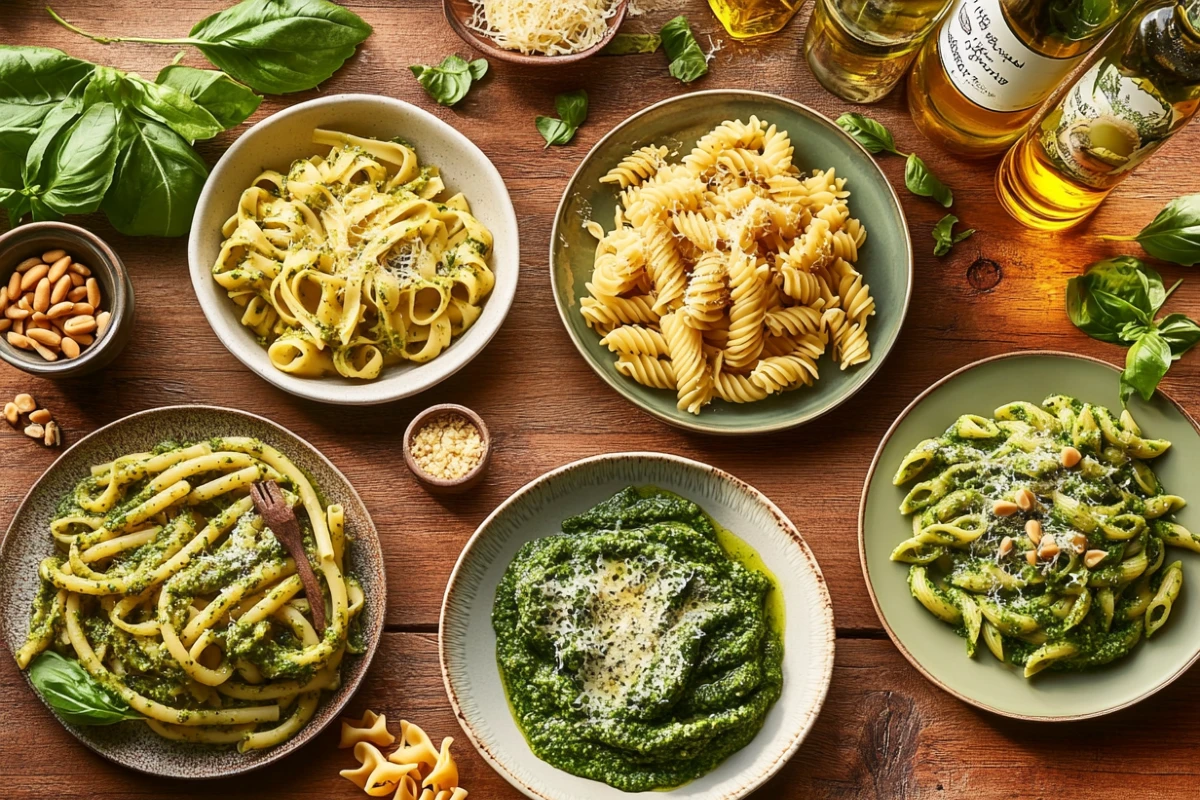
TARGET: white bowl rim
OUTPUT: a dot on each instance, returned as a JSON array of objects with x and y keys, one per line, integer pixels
[
  {"x": 326, "y": 389},
  {"x": 825, "y": 668}
]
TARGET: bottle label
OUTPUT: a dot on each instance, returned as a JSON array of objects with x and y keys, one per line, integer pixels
[
  {"x": 1106, "y": 125},
  {"x": 986, "y": 60}
]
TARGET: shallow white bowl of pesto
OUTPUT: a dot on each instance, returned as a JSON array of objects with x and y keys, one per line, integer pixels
[
  {"x": 662, "y": 532},
  {"x": 279, "y": 140}
]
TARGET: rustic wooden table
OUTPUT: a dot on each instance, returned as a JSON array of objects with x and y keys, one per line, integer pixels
[{"x": 884, "y": 731}]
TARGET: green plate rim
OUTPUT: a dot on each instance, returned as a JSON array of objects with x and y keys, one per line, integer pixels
[
  {"x": 862, "y": 552},
  {"x": 699, "y": 425}
]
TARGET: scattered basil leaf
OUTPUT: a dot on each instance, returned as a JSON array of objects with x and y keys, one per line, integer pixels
[
  {"x": 944, "y": 237},
  {"x": 450, "y": 81},
  {"x": 869, "y": 133},
  {"x": 572, "y": 107},
  {"x": 230, "y": 103},
  {"x": 1181, "y": 333},
  {"x": 554, "y": 131},
  {"x": 1146, "y": 363},
  {"x": 625, "y": 44},
  {"x": 1174, "y": 235},
  {"x": 688, "y": 61},
  {"x": 920, "y": 181},
  {"x": 74, "y": 694}
]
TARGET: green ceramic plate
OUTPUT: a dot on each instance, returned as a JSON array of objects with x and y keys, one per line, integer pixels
[
  {"x": 931, "y": 645},
  {"x": 885, "y": 260}
]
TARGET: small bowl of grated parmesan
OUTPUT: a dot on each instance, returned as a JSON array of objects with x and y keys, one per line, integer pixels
[
  {"x": 447, "y": 447},
  {"x": 536, "y": 31}
]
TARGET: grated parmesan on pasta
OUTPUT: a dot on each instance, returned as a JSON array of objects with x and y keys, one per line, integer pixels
[{"x": 546, "y": 27}]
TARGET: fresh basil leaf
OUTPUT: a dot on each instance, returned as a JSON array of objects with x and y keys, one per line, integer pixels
[
  {"x": 943, "y": 236},
  {"x": 920, "y": 181},
  {"x": 171, "y": 107},
  {"x": 450, "y": 81},
  {"x": 33, "y": 80},
  {"x": 1179, "y": 332},
  {"x": 869, "y": 133},
  {"x": 626, "y": 44},
  {"x": 230, "y": 103},
  {"x": 77, "y": 167},
  {"x": 280, "y": 46},
  {"x": 572, "y": 107},
  {"x": 75, "y": 695},
  {"x": 478, "y": 68},
  {"x": 1145, "y": 365},
  {"x": 1132, "y": 331},
  {"x": 1174, "y": 235},
  {"x": 687, "y": 59},
  {"x": 554, "y": 131}
]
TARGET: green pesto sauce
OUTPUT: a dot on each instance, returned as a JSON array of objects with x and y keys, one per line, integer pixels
[{"x": 641, "y": 646}]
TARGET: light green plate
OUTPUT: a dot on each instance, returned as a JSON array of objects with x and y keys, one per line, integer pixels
[
  {"x": 885, "y": 260},
  {"x": 931, "y": 645}
]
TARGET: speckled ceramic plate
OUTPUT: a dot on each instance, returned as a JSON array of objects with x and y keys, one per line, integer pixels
[
  {"x": 28, "y": 541},
  {"x": 468, "y": 641},
  {"x": 885, "y": 260},
  {"x": 931, "y": 645}
]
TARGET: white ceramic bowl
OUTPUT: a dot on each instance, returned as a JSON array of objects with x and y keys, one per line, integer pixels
[
  {"x": 468, "y": 641},
  {"x": 284, "y": 137}
]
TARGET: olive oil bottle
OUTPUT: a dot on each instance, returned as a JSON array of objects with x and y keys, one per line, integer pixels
[
  {"x": 1144, "y": 87},
  {"x": 860, "y": 49},
  {"x": 977, "y": 83},
  {"x": 745, "y": 19}
]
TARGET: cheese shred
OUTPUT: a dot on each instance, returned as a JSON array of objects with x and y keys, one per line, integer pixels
[{"x": 545, "y": 27}]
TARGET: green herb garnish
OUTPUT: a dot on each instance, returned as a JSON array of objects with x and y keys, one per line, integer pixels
[
  {"x": 1116, "y": 301},
  {"x": 74, "y": 694},
  {"x": 944, "y": 236},
  {"x": 688, "y": 61},
  {"x": 625, "y": 44},
  {"x": 1173, "y": 235},
  {"x": 572, "y": 110},
  {"x": 877, "y": 139},
  {"x": 273, "y": 46},
  {"x": 450, "y": 81}
]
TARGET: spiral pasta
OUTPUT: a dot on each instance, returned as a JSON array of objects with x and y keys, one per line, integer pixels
[
  {"x": 729, "y": 274},
  {"x": 349, "y": 263}
]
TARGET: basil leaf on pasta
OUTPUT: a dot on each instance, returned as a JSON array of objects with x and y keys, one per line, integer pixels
[{"x": 74, "y": 694}]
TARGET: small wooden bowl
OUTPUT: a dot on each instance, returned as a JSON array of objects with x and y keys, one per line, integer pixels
[
  {"x": 459, "y": 13},
  {"x": 442, "y": 485}
]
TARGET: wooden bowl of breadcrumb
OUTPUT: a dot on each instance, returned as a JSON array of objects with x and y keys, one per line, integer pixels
[{"x": 447, "y": 447}]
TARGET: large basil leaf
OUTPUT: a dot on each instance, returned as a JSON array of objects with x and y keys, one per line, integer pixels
[
  {"x": 1113, "y": 293},
  {"x": 229, "y": 102},
  {"x": 1145, "y": 365},
  {"x": 688, "y": 61},
  {"x": 33, "y": 80},
  {"x": 1174, "y": 235},
  {"x": 157, "y": 182},
  {"x": 280, "y": 46},
  {"x": 76, "y": 167},
  {"x": 74, "y": 694},
  {"x": 173, "y": 108}
]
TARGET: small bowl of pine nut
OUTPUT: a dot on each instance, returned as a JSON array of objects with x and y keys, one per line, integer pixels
[{"x": 66, "y": 302}]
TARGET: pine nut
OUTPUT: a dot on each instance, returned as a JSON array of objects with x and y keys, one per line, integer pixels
[
  {"x": 48, "y": 338},
  {"x": 82, "y": 339},
  {"x": 30, "y": 279},
  {"x": 1079, "y": 542},
  {"x": 41, "y": 295},
  {"x": 24, "y": 303},
  {"x": 14, "y": 312},
  {"x": 18, "y": 325},
  {"x": 28, "y": 264},
  {"x": 102, "y": 320},
  {"x": 25, "y": 403},
  {"x": 1031, "y": 557},
  {"x": 1004, "y": 508},
  {"x": 1006, "y": 546},
  {"x": 77, "y": 294},
  {"x": 1048, "y": 548},
  {"x": 80, "y": 269},
  {"x": 43, "y": 351},
  {"x": 1093, "y": 557},
  {"x": 51, "y": 256},
  {"x": 19, "y": 341},
  {"x": 69, "y": 347},
  {"x": 1026, "y": 500},
  {"x": 53, "y": 435},
  {"x": 1033, "y": 529},
  {"x": 76, "y": 279},
  {"x": 14, "y": 286},
  {"x": 1070, "y": 457},
  {"x": 3, "y": 297},
  {"x": 5, "y": 324},
  {"x": 84, "y": 309},
  {"x": 41, "y": 416},
  {"x": 59, "y": 292},
  {"x": 35, "y": 431},
  {"x": 58, "y": 269},
  {"x": 78, "y": 325},
  {"x": 60, "y": 310},
  {"x": 93, "y": 292},
  {"x": 12, "y": 414}
]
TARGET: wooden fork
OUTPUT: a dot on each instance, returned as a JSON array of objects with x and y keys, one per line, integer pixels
[{"x": 281, "y": 519}]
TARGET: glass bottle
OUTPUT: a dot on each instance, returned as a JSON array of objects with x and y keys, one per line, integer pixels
[
  {"x": 745, "y": 19},
  {"x": 860, "y": 49},
  {"x": 1144, "y": 87},
  {"x": 977, "y": 83}
]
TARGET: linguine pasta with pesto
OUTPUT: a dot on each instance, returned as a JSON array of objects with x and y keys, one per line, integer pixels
[{"x": 1043, "y": 532}]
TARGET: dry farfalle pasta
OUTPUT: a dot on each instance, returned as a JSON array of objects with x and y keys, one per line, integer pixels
[
  {"x": 729, "y": 274},
  {"x": 416, "y": 770}
]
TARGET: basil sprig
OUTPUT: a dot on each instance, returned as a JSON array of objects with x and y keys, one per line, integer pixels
[
  {"x": 1117, "y": 301},
  {"x": 450, "y": 81},
  {"x": 1173, "y": 235},
  {"x": 873, "y": 136},
  {"x": 944, "y": 236},
  {"x": 572, "y": 110},
  {"x": 688, "y": 61},
  {"x": 273, "y": 46},
  {"x": 78, "y": 137},
  {"x": 74, "y": 694}
]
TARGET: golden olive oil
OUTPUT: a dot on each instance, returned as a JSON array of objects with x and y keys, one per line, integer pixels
[
  {"x": 1144, "y": 87},
  {"x": 738, "y": 550},
  {"x": 976, "y": 84},
  {"x": 860, "y": 49},
  {"x": 745, "y": 19}
]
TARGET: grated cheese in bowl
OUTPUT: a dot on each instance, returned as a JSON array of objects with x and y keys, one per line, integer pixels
[{"x": 545, "y": 27}]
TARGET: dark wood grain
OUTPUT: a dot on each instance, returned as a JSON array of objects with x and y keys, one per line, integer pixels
[{"x": 885, "y": 731}]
